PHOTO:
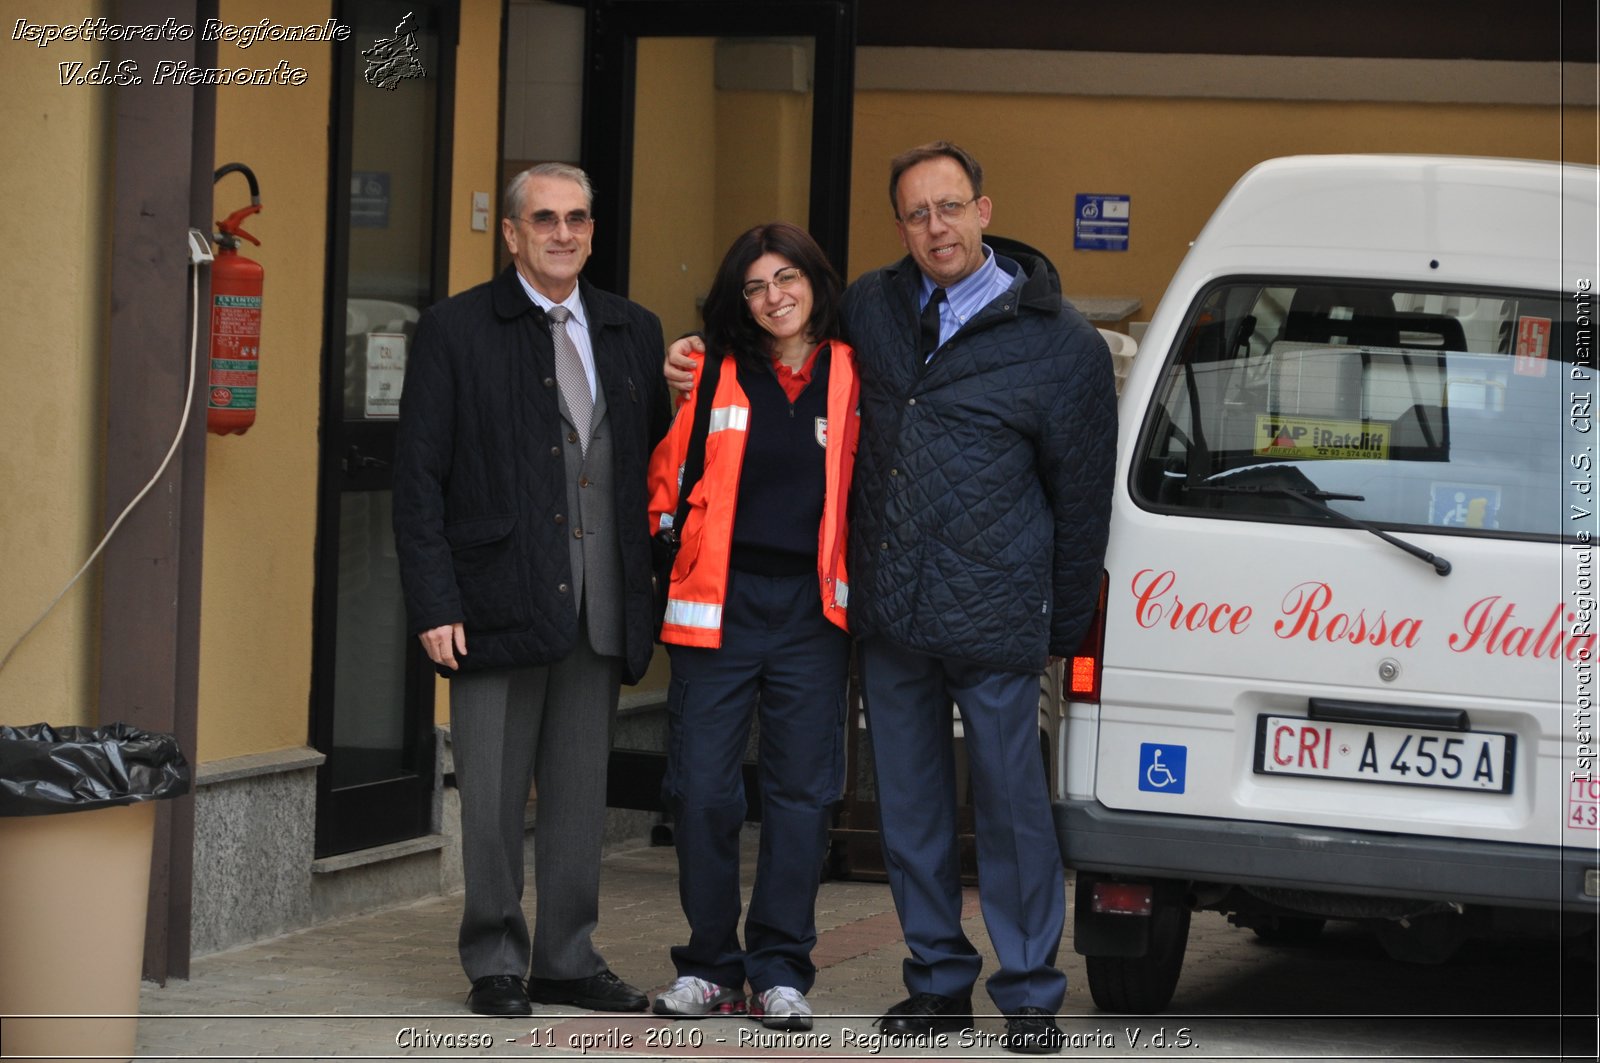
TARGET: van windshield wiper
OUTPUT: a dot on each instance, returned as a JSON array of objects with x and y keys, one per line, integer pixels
[{"x": 1317, "y": 499}]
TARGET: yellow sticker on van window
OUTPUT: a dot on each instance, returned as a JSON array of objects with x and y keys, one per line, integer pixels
[{"x": 1315, "y": 437}]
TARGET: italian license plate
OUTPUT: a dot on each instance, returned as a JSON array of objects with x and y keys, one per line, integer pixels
[{"x": 1404, "y": 756}]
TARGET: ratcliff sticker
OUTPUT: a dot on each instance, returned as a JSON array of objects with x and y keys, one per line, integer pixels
[{"x": 1280, "y": 436}]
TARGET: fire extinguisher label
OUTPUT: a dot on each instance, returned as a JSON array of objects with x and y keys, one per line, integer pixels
[
  {"x": 232, "y": 398},
  {"x": 234, "y": 372},
  {"x": 235, "y": 347}
]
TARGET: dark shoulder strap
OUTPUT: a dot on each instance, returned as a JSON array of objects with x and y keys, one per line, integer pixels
[{"x": 694, "y": 461}]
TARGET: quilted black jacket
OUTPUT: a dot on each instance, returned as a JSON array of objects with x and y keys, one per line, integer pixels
[
  {"x": 480, "y": 481},
  {"x": 983, "y": 479}
]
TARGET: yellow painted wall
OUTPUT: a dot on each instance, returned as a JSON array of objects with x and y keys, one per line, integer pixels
[
  {"x": 1176, "y": 158},
  {"x": 475, "y": 167},
  {"x": 763, "y": 161},
  {"x": 261, "y": 487},
  {"x": 677, "y": 185},
  {"x": 54, "y": 281}
]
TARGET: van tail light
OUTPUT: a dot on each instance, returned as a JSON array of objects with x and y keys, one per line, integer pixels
[{"x": 1083, "y": 667}]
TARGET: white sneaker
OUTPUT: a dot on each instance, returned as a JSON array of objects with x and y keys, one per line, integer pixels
[
  {"x": 690, "y": 998},
  {"x": 782, "y": 1008}
]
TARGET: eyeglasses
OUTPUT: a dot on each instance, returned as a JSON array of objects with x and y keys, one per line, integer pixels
[
  {"x": 783, "y": 280},
  {"x": 949, "y": 210},
  {"x": 544, "y": 222}
]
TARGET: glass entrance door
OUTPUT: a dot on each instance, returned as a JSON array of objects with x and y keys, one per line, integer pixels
[{"x": 372, "y": 696}]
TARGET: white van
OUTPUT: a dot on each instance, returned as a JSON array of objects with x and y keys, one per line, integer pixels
[{"x": 1345, "y": 669}]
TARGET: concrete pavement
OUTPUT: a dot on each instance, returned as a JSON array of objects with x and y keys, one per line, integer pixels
[{"x": 388, "y": 986}]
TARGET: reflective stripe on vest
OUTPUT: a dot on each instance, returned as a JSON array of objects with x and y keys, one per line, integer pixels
[
  {"x": 706, "y": 615},
  {"x": 725, "y": 417},
  {"x": 841, "y": 594}
]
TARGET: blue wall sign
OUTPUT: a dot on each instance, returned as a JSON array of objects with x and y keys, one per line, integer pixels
[{"x": 1100, "y": 223}]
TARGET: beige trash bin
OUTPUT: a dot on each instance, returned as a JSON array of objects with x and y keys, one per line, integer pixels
[
  {"x": 77, "y": 831},
  {"x": 59, "y": 875}
]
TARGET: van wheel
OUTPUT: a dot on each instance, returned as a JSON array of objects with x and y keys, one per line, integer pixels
[
  {"x": 1143, "y": 984},
  {"x": 1291, "y": 930}
]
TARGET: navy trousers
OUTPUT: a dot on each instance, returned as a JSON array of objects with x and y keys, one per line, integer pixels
[
  {"x": 1021, "y": 886},
  {"x": 782, "y": 658}
]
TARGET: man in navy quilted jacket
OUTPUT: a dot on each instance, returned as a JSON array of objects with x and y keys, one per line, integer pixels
[
  {"x": 978, "y": 531},
  {"x": 978, "y": 523}
]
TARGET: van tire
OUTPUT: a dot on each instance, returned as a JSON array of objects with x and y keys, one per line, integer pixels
[{"x": 1143, "y": 984}]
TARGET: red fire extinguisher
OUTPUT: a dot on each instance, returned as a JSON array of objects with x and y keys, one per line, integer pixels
[{"x": 236, "y": 284}]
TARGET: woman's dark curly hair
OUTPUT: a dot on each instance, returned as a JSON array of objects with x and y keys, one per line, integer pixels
[{"x": 729, "y": 325}]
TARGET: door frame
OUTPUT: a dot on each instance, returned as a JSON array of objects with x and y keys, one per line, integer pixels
[
  {"x": 610, "y": 81},
  {"x": 379, "y": 813}
]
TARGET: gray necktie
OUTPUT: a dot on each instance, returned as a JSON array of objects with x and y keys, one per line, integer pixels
[{"x": 574, "y": 382}]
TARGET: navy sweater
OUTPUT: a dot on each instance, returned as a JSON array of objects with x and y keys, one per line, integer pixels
[{"x": 782, "y": 482}]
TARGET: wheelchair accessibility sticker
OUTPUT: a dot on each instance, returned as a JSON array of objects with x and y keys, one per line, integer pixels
[{"x": 1161, "y": 768}]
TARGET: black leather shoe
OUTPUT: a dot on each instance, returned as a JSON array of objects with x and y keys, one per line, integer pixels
[
  {"x": 598, "y": 992},
  {"x": 1033, "y": 1031},
  {"x": 499, "y": 994},
  {"x": 927, "y": 1013}
]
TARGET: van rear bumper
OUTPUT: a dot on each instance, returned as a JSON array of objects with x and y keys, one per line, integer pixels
[{"x": 1244, "y": 852}]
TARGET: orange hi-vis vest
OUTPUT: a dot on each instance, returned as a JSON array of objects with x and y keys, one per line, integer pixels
[{"x": 700, "y": 574}]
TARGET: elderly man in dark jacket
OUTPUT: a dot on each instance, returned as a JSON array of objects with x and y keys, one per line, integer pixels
[{"x": 531, "y": 407}]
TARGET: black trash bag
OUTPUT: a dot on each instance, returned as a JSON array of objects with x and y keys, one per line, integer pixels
[{"x": 46, "y": 769}]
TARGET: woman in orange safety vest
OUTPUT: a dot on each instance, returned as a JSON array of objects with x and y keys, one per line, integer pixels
[{"x": 756, "y": 622}]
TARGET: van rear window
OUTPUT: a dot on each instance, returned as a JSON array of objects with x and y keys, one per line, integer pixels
[{"x": 1442, "y": 410}]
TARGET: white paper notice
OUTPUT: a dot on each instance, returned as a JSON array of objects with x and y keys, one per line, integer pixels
[{"x": 386, "y": 372}]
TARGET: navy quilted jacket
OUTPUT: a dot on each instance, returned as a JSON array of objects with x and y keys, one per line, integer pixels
[
  {"x": 480, "y": 481},
  {"x": 983, "y": 478}
]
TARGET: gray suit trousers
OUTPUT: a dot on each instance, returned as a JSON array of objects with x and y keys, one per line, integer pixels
[{"x": 510, "y": 728}]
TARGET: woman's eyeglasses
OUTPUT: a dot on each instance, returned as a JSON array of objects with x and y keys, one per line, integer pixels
[{"x": 783, "y": 280}]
